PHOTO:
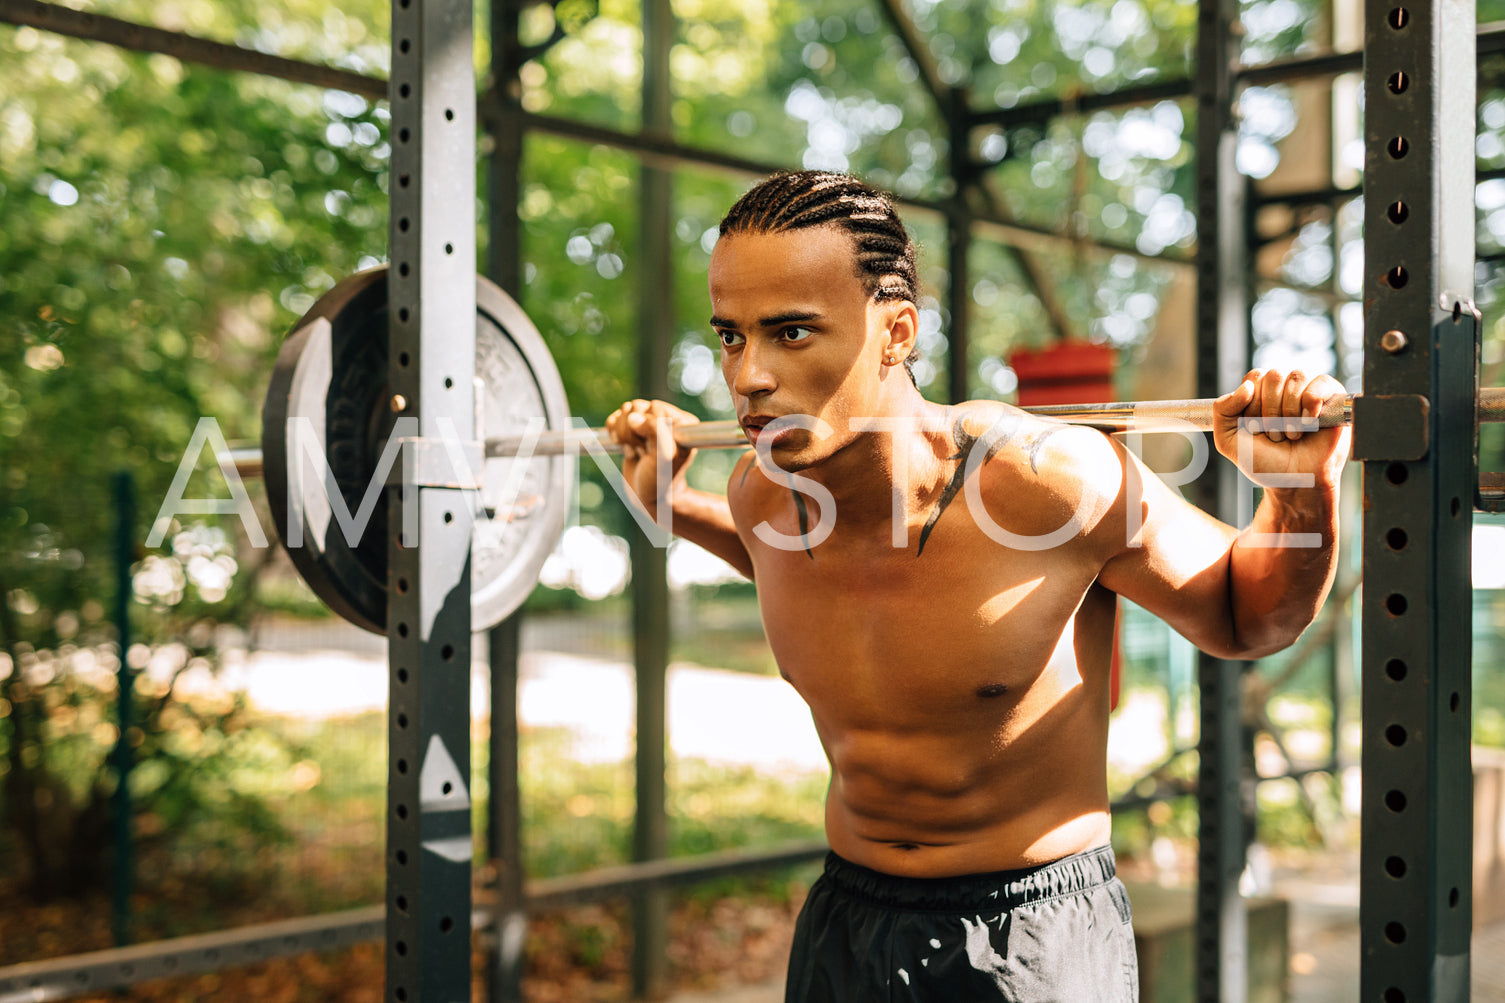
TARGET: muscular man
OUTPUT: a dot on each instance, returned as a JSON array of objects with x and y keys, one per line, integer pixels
[{"x": 938, "y": 583}]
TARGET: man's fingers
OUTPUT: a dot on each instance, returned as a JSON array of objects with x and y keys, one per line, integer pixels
[{"x": 1271, "y": 403}]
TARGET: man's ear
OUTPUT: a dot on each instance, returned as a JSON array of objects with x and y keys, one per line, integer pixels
[{"x": 902, "y": 321}]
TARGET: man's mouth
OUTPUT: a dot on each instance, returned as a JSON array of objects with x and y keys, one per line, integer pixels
[{"x": 754, "y": 424}]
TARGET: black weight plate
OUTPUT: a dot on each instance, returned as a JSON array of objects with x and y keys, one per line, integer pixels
[{"x": 332, "y": 371}]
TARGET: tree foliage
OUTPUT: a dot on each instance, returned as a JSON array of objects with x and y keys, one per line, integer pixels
[{"x": 166, "y": 223}]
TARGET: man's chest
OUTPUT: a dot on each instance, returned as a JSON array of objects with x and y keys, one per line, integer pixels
[{"x": 859, "y": 623}]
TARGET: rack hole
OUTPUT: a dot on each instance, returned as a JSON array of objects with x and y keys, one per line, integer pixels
[
  {"x": 447, "y": 789},
  {"x": 1395, "y": 801},
  {"x": 1395, "y": 867},
  {"x": 446, "y": 924},
  {"x": 402, "y": 857},
  {"x": 402, "y": 766},
  {"x": 1395, "y": 932},
  {"x": 403, "y": 269},
  {"x": 402, "y": 630},
  {"x": 403, "y": 316},
  {"x": 1396, "y": 538},
  {"x": 1398, "y": 212},
  {"x": 404, "y": 179},
  {"x": 1453, "y": 898},
  {"x": 449, "y": 248},
  {"x": 1398, "y": 82},
  {"x": 449, "y": 517},
  {"x": 1397, "y": 277},
  {"x": 403, "y": 360},
  {"x": 403, "y": 224},
  {"x": 1395, "y": 735},
  {"x": 402, "y": 583},
  {"x": 449, "y": 114},
  {"x": 402, "y": 720},
  {"x": 402, "y": 675},
  {"x": 404, "y": 90},
  {"x": 403, "y": 135},
  {"x": 1456, "y": 506},
  {"x": 1394, "y": 995},
  {"x": 1398, "y": 18},
  {"x": 402, "y": 995},
  {"x": 1395, "y": 604},
  {"x": 1398, "y": 147},
  {"x": 401, "y": 948},
  {"x": 447, "y": 652},
  {"x": 1396, "y": 473},
  {"x": 402, "y": 903},
  {"x": 402, "y": 811},
  {"x": 449, "y": 384},
  {"x": 1395, "y": 669},
  {"x": 1454, "y": 702},
  {"x": 404, "y": 45}
]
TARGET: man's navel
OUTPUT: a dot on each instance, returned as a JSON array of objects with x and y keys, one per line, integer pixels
[{"x": 992, "y": 690}]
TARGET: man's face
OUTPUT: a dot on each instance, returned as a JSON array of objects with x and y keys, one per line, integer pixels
[{"x": 799, "y": 336}]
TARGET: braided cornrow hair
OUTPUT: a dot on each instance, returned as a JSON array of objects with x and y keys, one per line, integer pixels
[{"x": 795, "y": 200}]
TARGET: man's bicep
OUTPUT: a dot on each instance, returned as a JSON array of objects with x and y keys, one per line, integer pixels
[{"x": 1172, "y": 560}]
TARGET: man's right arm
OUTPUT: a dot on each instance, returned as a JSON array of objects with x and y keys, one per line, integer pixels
[{"x": 702, "y": 517}]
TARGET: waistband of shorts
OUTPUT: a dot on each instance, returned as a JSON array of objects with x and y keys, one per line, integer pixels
[{"x": 1079, "y": 872}]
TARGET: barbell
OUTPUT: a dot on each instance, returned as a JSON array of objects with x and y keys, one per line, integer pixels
[{"x": 330, "y": 381}]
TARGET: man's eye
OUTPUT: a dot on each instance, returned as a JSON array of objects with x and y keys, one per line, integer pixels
[
  {"x": 729, "y": 339},
  {"x": 797, "y": 333}
]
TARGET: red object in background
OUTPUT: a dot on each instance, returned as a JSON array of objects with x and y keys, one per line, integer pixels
[
  {"x": 1071, "y": 372},
  {"x": 1068, "y": 372}
]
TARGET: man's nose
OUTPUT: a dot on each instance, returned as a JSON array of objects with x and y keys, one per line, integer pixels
[{"x": 752, "y": 374}]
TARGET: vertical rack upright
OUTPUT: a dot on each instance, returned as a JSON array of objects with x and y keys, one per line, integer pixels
[
  {"x": 1415, "y": 431},
  {"x": 431, "y": 352},
  {"x": 1224, "y": 783}
]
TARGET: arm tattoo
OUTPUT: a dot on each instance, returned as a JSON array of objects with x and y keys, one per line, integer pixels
[{"x": 1003, "y": 431}]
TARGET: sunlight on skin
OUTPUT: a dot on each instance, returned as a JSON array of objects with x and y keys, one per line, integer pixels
[{"x": 1001, "y": 605}]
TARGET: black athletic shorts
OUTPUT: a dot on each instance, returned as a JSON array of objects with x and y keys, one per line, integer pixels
[{"x": 1057, "y": 933}]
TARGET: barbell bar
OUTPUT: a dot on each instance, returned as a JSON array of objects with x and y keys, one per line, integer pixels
[
  {"x": 330, "y": 393},
  {"x": 1189, "y": 415},
  {"x": 1193, "y": 415}
]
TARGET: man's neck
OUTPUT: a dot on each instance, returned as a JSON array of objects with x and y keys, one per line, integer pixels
[{"x": 905, "y": 450}]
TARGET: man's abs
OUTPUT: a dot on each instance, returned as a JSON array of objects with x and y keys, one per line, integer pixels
[{"x": 967, "y": 802}]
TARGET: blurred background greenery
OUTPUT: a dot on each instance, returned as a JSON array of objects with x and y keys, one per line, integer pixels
[{"x": 163, "y": 224}]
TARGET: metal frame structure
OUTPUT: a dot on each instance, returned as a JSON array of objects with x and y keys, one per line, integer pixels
[
  {"x": 1225, "y": 790},
  {"x": 1415, "y": 893},
  {"x": 431, "y": 347},
  {"x": 1417, "y": 434}
]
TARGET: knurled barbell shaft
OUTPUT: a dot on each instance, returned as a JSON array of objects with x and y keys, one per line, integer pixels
[
  {"x": 1124, "y": 416},
  {"x": 1194, "y": 415}
]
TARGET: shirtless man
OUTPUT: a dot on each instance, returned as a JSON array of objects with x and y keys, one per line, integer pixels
[{"x": 939, "y": 585}]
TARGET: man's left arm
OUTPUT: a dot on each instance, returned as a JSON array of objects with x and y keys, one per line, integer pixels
[
  {"x": 1281, "y": 566},
  {"x": 1239, "y": 594}
]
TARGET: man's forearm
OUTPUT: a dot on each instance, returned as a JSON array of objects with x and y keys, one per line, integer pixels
[
  {"x": 705, "y": 519},
  {"x": 1282, "y": 567}
]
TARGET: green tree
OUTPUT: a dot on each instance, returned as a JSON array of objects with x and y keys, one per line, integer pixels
[{"x": 164, "y": 224}]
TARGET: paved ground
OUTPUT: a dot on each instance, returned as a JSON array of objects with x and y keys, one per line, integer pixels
[{"x": 572, "y": 679}]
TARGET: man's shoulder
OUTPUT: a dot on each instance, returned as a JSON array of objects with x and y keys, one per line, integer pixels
[
  {"x": 1031, "y": 466},
  {"x": 748, "y": 485},
  {"x": 1046, "y": 449}
]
